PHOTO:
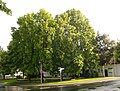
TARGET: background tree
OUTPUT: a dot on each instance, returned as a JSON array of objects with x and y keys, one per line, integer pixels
[
  {"x": 117, "y": 53},
  {"x": 105, "y": 48},
  {"x": 4, "y": 8}
]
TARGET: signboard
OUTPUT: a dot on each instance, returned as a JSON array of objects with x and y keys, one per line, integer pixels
[{"x": 41, "y": 71}]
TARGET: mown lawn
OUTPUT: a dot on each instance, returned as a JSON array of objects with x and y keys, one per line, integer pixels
[
  {"x": 81, "y": 80},
  {"x": 7, "y": 81},
  {"x": 14, "y": 81}
]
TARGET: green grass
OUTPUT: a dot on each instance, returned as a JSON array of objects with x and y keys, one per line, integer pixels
[
  {"x": 7, "y": 81},
  {"x": 80, "y": 80},
  {"x": 14, "y": 81}
]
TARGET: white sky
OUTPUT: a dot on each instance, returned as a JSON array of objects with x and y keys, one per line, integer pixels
[{"x": 104, "y": 15}]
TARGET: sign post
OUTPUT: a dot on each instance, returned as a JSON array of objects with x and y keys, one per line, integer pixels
[
  {"x": 60, "y": 69},
  {"x": 41, "y": 73}
]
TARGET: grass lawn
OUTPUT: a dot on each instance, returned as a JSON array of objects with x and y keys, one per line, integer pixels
[
  {"x": 7, "y": 81},
  {"x": 14, "y": 81},
  {"x": 81, "y": 80}
]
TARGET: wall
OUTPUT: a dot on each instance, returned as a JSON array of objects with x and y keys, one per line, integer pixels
[{"x": 113, "y": 69}]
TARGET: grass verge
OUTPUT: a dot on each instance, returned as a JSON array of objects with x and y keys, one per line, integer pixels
[
  {"x": 81, "y": 80},
  {"x": 7, "y": 81},
  {"x": 14, "y": 81}
]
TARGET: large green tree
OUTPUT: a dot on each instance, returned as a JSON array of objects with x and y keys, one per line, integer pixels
[
  {"x": 74, "y": 41},
  {"x": 31, "y": 44},
  {"x": 64, "y": 44},
  {"x": 86, "y": 38}
]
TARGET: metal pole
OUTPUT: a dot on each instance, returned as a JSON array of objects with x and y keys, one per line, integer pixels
[
  {"x": 114, "y": 60},
  {"x": 41, "y": 73},
  {"x": 61, "y": 75}
]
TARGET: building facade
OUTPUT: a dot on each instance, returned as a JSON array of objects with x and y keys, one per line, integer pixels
[{"x": 110, "y": 70}]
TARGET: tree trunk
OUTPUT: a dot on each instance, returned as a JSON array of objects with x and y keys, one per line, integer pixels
[
  {"x": 23, "y": 74},
  {"x": 103, "y": 71},
  {"x": 3, "y": 76},
  {"x": 29, "y": 77}
]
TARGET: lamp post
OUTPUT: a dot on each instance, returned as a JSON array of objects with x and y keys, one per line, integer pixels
[{"x": 60, "y": 69}]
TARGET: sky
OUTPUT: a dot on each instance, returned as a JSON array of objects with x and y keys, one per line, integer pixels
[{"x": 103, "y": 15}]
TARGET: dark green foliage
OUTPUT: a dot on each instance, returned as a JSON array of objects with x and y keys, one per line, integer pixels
[
  {"x": 4, "y": 63},
  {"x": 117, "y": 53},
  {"x": 4, "y": 8},
  {"x": 105, "y": 48}
]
